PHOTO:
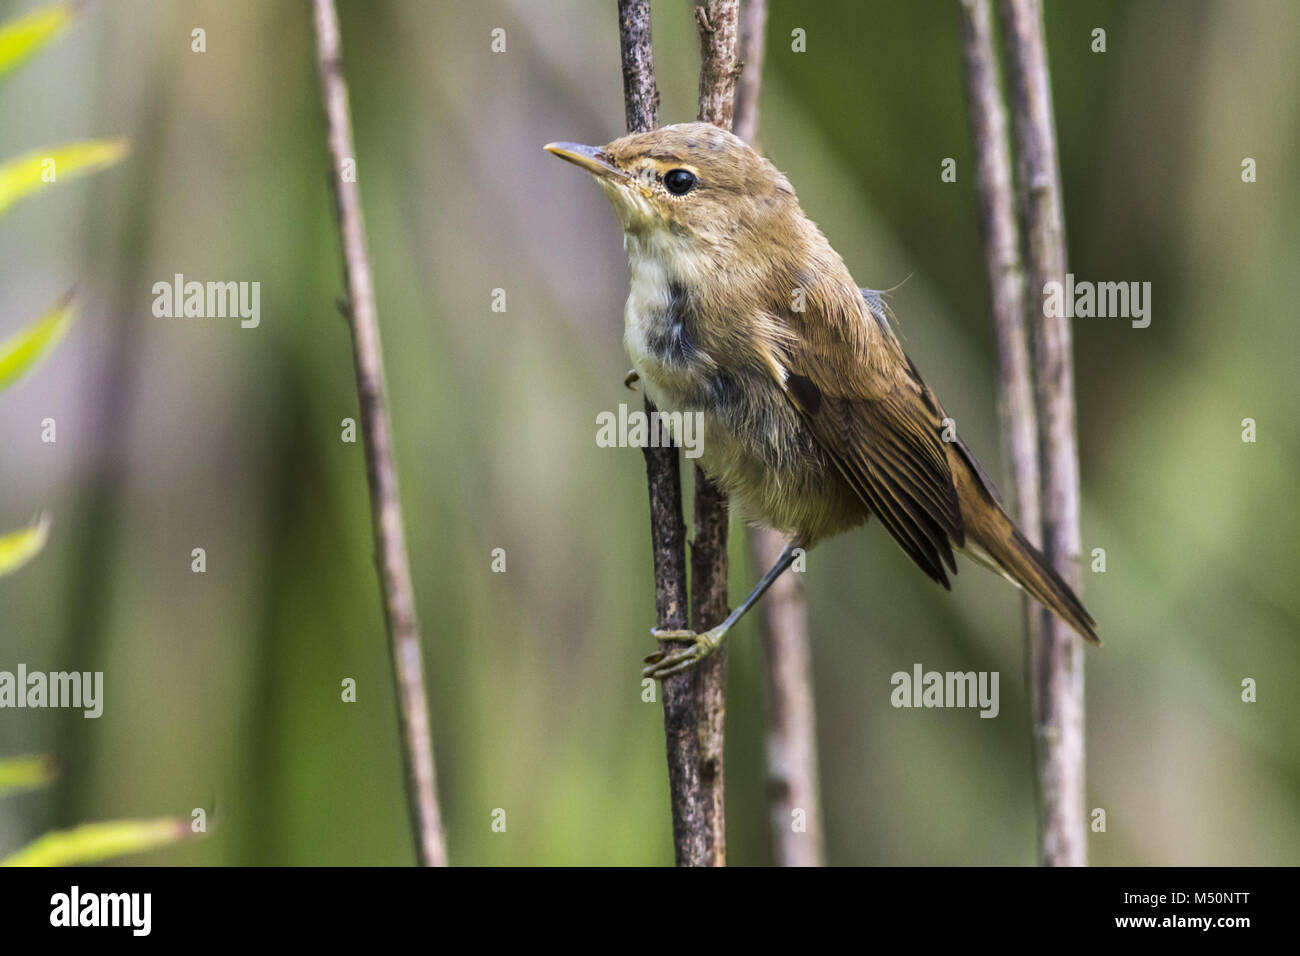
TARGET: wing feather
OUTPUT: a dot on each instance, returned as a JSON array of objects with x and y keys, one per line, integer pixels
[{"x": 882, "y": 427}]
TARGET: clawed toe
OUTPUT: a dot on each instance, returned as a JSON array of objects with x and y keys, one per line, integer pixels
[{"x": 665, "y": 663}]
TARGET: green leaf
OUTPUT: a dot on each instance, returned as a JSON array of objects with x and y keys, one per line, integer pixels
[
  {"x": 23, "y": 36},
  {"x": 19, "y": 547},
  {"x": 20, "y": 352},
  {"x": 25, "y": 773},
  {"x": 93, "y": 842},
  {"x": 41, "y": 168}
]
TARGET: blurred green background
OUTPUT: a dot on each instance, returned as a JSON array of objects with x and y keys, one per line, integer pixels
[{"x": 223, "y": 688}]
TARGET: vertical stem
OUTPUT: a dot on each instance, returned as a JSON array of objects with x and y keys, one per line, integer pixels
[
  {"x": 708, "y": 609},
  {"x": 691, "y": 833},
  {"x": 719, "y": 66},
  {"x": 997, "y": 210},
  {"x": 667, "y": 529},
  {"x": 753, "y": 24},
  {"x": 792, "y": 792},
  {"x": 718, "y": 22},
  {"x": 640, "y": 94},
  {"x": 792, "y": 783},
  {"x": 1057, "y": 667},
  {"x": 381, "y": 471},
  {"x": 1001, "y": 235}
]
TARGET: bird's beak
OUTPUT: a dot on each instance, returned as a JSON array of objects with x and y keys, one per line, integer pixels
[{"x": 589, "y": 158}]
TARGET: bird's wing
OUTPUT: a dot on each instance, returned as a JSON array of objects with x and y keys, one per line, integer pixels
[
  {"x": 870, "y": 411},
  {"x": 882, "y": 315}
]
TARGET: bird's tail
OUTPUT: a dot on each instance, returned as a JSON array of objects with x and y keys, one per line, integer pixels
[
  {"x": 1027, "y": 567},
  {"x": 993, "y": 540}
]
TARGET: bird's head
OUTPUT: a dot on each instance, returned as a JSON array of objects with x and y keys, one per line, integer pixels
[{"x": 692, "y": 181}]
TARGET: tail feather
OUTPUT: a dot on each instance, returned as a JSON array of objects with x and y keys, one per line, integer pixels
[
  {"x": 1025, "y": 566},
  {"x": 995, "y": 541}
]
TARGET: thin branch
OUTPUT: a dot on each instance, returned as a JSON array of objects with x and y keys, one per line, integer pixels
[
  {"x": 1001, "y": 234},
  {"x": 668, "y": 539},
  {"x": 640, "y": 94},
  {"x": 381, "y": 472},
  {"x": 753, "y": 23},
  {"x": 719, "y": 23},
  {"x": 997, "y": 210},
  {"x": 708, "y": 609},
  {"x": 719, "y": 67},
  {"x": 667, "y": 528},
  {"x": 793, "y": 795},
  {"x": 1056, "y": 668},
  {"x": 793, "y": 791}
]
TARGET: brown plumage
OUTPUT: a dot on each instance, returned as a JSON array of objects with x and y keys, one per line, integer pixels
[{"x": 814, "y": 416}]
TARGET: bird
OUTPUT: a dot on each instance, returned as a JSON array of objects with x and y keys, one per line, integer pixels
[{"x": 815, "y": 419}]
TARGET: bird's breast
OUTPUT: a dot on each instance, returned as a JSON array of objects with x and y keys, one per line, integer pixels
[
  {"x": 662, "y": 332},
  {"x": 754, "y": 444}
]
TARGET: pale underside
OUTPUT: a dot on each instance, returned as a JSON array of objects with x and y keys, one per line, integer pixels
[{"x": 755, "y": 444}]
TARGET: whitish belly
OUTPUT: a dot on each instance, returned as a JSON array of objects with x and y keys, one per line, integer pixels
[{"x": 749, "y": 438}]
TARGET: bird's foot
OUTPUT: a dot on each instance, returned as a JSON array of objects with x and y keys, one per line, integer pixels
[
  {"x": 632, "y": 378},
  {"x": 664, "y": 663}
]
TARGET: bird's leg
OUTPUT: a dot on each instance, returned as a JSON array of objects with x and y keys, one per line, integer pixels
[
  {"x": 632, "y": 378},
  {"x": 663, "y": 664}
]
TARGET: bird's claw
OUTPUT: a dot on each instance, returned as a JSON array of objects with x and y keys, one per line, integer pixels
[
  {"x": 630, "y": 382},
  {"x": 665, "y": 663}
]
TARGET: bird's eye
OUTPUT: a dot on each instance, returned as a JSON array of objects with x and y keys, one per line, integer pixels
[{"x": 679, "y": 181}]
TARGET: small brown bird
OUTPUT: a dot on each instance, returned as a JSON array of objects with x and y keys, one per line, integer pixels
[{"x": 814, "y": 418}]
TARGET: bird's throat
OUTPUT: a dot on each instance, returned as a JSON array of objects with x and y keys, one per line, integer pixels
[{"x": 664, "y": 334}]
